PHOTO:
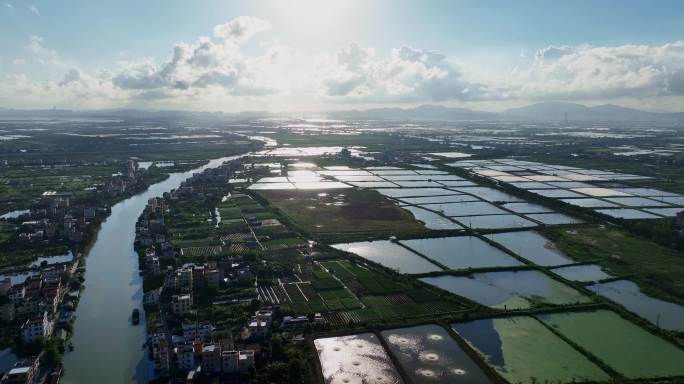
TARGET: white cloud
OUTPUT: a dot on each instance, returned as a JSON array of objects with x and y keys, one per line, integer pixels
[
  {"x": 33, "y": 9},
  {"x": 40, "y": 53},
  {"x": 232, "y": 68},
  {"x": 589, "y": 72},
  {"x": 208, "y": 62},
  {"x": 408, "y": 75},
  {"x": 241, "y": 28}
]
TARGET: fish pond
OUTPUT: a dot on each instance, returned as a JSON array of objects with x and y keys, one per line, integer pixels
[
  {"x": 390, "y": 255},
  {"x": 428, "y": 354},
  {"x": 462, "y": 252},
  {"x": 523, "y": 350},
  {"x": 628, "y": 349},
  {"x": 582, "y": 273},
  {"x": 431, "y": 219},
  {"x": 531, "y": 246},
  {"x": 663, "y": 313},
  {"x": 509, "y": 290},
  {"x": 355, "y": 359}
]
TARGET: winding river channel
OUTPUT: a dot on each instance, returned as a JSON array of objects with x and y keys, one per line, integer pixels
[{"x": 107, "y": 347}]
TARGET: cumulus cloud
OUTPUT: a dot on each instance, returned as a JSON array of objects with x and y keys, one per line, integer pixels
[
  {"x": 241, "y": 28},
  {"x": 208, "y": 62},
  {"x": 409, "y": 74},
  {"x": 71, "y": 76},
  {"x": 33, "y": 9},
  {"x": 231, "y": 67},
  {"x": 41, "y": 53},
  {"x": 590, "y": 72}
]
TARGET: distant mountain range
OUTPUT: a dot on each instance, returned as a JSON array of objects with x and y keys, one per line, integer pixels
[{"x": 547, "y": 111}]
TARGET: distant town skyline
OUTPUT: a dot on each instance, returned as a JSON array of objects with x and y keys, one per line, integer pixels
[{"x": 307, "y": 55}]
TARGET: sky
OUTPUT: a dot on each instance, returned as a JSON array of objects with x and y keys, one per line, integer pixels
[{"x": 308, "y": 55}]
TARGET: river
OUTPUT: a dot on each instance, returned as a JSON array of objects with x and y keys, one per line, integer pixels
[{"x": 107, "y": 347}]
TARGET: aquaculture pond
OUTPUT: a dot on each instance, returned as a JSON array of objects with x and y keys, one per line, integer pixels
[
  {"x": 527, "y": 208},
  {"x": 431, "y": 219},
  {"x": 663, "y": 313},
  {"x": 462, "y": 252},
  {"x": 390, "y": 255},
  {"x": 531, "y": 246},
  {"x": 466, "y": 208},
  {"x": 522, "y": 350},
  {"x": 439, "y": 199},
  {"x": 355, "y": 359},
  {"x": 583, "y": 273},
  {"x": 553, "y": 218},
  {"x": 509, "y": 290},
  {"x": 495, "y": 222},
  {"x": 627, "y": 213},
  {"x": 411, "y": 192},
  {"x": 428, "y": 354},
  {"x": 628, "y": 349}
]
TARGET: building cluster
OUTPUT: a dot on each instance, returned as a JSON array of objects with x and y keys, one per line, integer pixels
[
  {"x": 56, "y": 219},
  {"x": 43, "y": 306},
  {"x": 41, "y": 302},
  {"x": 196, "y": 352}
]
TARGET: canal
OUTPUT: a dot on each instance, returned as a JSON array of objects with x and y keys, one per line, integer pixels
[{"x": 107, "y": 347}]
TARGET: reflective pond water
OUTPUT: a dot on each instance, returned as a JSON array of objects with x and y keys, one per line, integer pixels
[
  {"x": 663, "y": 313},
  {"x": 496, "y": 222},
  {"x": 431, "y": 219},
  {"x": 462, "y": 252},
  {"x": 390, "y": 255},
  {"x": 582, "y": 273},
  {"x": 531, "y": 246},
  {"x": 509, "y": 290}
]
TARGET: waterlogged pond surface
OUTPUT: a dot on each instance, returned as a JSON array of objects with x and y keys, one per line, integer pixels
[
  {"x": 527, "y": 208},
  {"x": 439, "y": 199},
  {"x": 663, "y": 313},
  {"x": 462, "y": 252},
  {"x": 466, "y": 208},
  {"x": 428, "y": 354},
  {"x": 627, "y": 213},
  {"x": 108, "y": 348},
  {"x": 522, "y": 350},
  {"x": 53, "y": 259},
  {"x": 495, "y": 222},
  {"x": 625, "y": 347},
  {"x": 410, "y": 192},
  {"x": 431, "y": 219},
  {"x": 582, "y": 273},
  {"x": 390, "y": 255},
  {"x": 15, "y": 214},
  {"x": 531, "y": 246},
  {"x": 553, "y": 218},
  {"x": 509, "y": 290},
  {"x": 355, "y": 359}
]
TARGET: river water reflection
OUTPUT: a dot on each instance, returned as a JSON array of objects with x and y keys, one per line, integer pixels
[{"x": 108, "y": 348}]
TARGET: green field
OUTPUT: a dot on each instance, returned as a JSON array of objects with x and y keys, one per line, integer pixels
[
  {"x": 631, "y": 351},
  {"x": 656, "y": 269},
  {"x": 360, "y": 212}
]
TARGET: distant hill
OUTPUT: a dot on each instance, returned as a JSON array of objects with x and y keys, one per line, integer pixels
[
  {"x": 423, "y": 112},
  {"x": 547, "y": 111},
  {"x": 607, "y": 112}
]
